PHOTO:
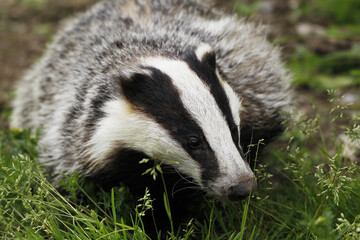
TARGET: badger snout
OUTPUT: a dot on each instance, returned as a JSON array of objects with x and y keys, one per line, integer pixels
[{"x": 242, "y": 190}]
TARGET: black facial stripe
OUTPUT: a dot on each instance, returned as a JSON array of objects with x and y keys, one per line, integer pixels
[
  {"x": 156, "y": 96},
  {"x": 210, "y": 59},
  {"x": 205, "y": 70}
]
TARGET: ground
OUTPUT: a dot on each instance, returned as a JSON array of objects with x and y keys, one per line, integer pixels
[{"x": 310, "y": 188}]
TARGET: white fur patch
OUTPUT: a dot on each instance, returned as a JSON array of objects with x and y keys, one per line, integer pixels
[{"x": 127, "y": 128}]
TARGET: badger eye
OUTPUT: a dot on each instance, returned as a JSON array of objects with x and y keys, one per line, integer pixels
[{"x": 194, "y": 142}]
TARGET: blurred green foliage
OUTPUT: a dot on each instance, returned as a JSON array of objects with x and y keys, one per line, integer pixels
[
  {"x": 340, "y": 11},
  {"x": 33, "y": 4},
  {"x": 333, "y": 70}
]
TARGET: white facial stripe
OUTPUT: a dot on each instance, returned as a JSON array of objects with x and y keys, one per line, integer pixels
[
  {"x": 124, "y": 127},
  {"x": 234, "y": 101},
  {"x": 202, "y": 50},
  {"x": 202, "y": 106}
]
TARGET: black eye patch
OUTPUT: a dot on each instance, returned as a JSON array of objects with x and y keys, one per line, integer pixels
[{"x": 156, "y": 96}]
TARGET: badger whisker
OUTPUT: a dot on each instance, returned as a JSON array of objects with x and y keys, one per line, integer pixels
[{"x": 185, "y": 188}]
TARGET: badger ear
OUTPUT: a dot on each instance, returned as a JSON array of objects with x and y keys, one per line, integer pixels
[{"x": 205, "y": 54}]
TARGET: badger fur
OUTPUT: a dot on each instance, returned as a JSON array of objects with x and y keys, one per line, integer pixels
[{"x": 170, "y": 80}]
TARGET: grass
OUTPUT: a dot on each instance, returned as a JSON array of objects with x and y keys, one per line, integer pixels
[
  {"x": 306, "y": 192},
  {"x": 308, "y": 186}
]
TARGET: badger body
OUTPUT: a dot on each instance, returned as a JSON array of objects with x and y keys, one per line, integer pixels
[{"x": 169, "y": 80}]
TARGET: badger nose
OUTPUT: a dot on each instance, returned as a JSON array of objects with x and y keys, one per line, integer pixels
[{"x": 242, "y": 190}]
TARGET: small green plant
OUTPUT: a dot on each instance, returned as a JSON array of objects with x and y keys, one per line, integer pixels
[
  {"x": 353, "y": 131},
  {"x": 346, "y": 229},
  {"x": 334, "y": 178}
]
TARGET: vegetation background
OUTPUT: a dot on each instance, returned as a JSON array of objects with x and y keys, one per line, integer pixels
[{"x": 309, "y": 181}]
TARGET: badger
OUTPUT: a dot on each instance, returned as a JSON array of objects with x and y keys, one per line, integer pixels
[{"x": 173, "y": 81}]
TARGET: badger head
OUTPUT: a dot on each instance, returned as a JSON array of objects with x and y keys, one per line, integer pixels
[{"x": 180, "y": 112}]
